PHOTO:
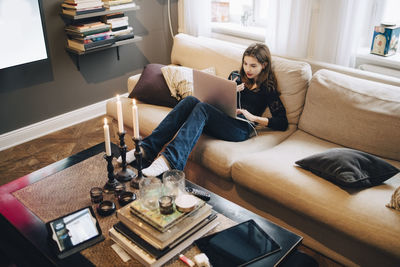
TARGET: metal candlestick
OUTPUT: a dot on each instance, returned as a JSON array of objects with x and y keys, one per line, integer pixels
[
  {"x": 125, "y": 174},
  {"x": 138, "y": 155},
  {"x": 109, "y": 187}
]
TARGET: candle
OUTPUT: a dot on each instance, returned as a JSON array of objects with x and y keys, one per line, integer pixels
[
  {"x": 107, "y": 138},
  {"x": 135, "y": 117},
  {"x": 119, "y": 114}
]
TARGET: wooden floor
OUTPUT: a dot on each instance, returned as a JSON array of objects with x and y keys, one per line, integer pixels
[{"x": 23, "y": 159}]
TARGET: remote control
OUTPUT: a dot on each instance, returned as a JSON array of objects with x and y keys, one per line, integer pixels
[{"x": 199, "y": 193}]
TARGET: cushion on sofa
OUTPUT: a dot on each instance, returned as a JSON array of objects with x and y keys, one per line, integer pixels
[
  {"x": 201, "y": 52},
  {"x": 152, "y": 88},
  {"x": 180, "y": 80},
  {"x": 355, "y": 113},
  {"x": 349, "y": 167}
]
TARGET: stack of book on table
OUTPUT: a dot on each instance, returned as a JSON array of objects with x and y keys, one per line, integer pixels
[
  {"x": 154, "y": 239},
  {"x": 119, "y": 26},
  {"x": 89, "y": 35},
  {"x": 80, "y": 7},
  {"x": 118, "y": 4}
]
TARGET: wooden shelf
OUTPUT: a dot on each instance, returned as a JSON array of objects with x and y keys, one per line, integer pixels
[{"x": 97, "y": 14}]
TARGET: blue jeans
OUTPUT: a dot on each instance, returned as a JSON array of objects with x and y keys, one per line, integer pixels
[{"x": 188, "y": 120}]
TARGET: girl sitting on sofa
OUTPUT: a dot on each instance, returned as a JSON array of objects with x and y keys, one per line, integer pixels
[{"x": 257, "y": 90}]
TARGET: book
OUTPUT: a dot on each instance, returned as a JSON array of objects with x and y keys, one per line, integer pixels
[
  {"x": 128, "y": 30},
  {"x": 86, "y": 27},
  {"x": 159, "y": 221},
  {"x": 112, "y": 16},
  {"x": 84, "y": 5},
  {"x": 158, "y": 239},
  {"x": 74, "y": 44},
  {"x": 158, "y": 253},
  {"x": 78, "y": 1},
  {"x": 122, "y": 6},
  {"x": 119, "y": 28},
  {"x": 147, "y": 259},
  {"x": 117, "y": 2},
  {"x": 74, "y": 34},
  {"x": 74, "y": 12}
]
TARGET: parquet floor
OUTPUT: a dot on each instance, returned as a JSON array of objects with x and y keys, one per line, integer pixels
[
  {"x": 23, "y": 159},
  {"x": 26, "y": 158}
]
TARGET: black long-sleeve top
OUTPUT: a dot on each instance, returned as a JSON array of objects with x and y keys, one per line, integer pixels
[{"x": 256, "y": 101}]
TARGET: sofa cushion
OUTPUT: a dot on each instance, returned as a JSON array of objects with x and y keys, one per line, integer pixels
[
  {"x": 180, "y": 80},
  {"x": 201, "y": 52},
  {"x": 152, "y": 88},
  {"x": 349, "y": 167},
  {"x": 219, "y": 156},
  {"x": 357, "y": 214},
  {"x": 352, "y": 112}
]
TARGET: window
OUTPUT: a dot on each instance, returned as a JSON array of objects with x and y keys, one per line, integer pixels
[{"x": 241, "y": 18}]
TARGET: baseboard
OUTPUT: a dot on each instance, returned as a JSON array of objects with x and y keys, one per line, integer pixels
[{"x": 48, "y": 126}]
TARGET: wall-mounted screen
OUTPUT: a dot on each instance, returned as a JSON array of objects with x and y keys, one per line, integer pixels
[{"x": 22, "y": 33}]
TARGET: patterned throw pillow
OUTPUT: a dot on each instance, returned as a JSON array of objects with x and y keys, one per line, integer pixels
[{"x": 180, "y": 80}]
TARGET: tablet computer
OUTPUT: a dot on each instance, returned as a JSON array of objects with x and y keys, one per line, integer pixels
[
  {"x": 239, "y": 245},
  {"x": 74, "y": 232}
]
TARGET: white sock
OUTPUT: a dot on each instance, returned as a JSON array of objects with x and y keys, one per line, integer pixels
[
  {"x": 159, "y": 166},
  {"x": 130, "y": 157}
]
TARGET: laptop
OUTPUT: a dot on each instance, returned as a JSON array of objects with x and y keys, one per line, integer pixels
[{"x": 216, "y": 91}]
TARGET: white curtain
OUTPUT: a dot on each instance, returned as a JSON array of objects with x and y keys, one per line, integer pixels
[
  {"x": 194, "y": 17},
  {"x": 323, "y": 30}
]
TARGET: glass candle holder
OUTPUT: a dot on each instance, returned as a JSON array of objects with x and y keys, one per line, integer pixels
[
  {"x": 173, "y": 183},
  {"x": 96, "y": 194},
  {"x": 150, "y": 192},
  {"x": 166, "y": 204}
]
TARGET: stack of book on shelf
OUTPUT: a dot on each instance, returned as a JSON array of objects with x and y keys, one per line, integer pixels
[
  {"x": 119, "y": 26},
  {"x": 118, "y": 4},
  {"x": 79, "y": 7},
  {"x": 90, "y": 35},
  {"x": 154, "y": 239}
]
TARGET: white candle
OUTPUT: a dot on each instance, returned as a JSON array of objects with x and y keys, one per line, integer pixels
[
  {"x": 107, "y": 138},
  {"x": 119, "y": 114},
  {"x": 135, "y": 117}
]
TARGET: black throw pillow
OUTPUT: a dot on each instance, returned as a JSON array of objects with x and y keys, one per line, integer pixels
[
  {"x": 152, "y": 88},
  {"x": 349, "y": 167}
]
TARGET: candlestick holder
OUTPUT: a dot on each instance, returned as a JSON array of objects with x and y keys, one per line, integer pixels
[
  {"x": 109, "y": 187},
  {"x": 125, "y": 174},
  {"x": 138, "y": 155}
]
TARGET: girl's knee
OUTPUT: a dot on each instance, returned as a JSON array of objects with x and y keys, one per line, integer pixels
[{"x": 191, "y": 99}]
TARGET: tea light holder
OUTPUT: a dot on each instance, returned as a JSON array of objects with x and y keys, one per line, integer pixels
[
  {"x": 125, "y": 174},
  {"x": 112, "y": 183},
  {"x": 126, "y": 197},
  {"x": 96, "y": 194},
  {"x": 135, "y": 182},
  {"x": 106, "y": 208},
  {"x": 166, "y": 205}
]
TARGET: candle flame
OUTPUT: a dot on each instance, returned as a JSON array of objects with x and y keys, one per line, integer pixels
[
  {"x": 117, "y": 97},
  {"x": 134, "y": 102},
  {"x": 105, "y": 121}
]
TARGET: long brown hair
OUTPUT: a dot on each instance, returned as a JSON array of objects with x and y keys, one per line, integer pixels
[{"x": 267, "y": 77}]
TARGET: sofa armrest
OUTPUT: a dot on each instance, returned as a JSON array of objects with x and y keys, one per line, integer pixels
[{"x": 132, "y": 81}]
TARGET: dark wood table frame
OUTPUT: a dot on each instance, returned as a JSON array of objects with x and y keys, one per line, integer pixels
[{"x": 24, "y": 235}]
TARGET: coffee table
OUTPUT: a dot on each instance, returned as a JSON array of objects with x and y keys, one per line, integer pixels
[{"x": 24, "y": 235}]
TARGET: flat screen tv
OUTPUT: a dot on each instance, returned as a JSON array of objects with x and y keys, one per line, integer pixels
[{"x": 23, "y": 35}]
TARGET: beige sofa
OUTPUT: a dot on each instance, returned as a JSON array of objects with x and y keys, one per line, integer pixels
[{"x": 327, "y": 106}]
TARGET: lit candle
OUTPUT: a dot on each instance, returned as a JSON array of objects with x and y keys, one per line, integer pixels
[
  {"x": 135, "y": 116},
  {"x": 107, "y": 138},
  {"x": 119, "y": 113}
]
